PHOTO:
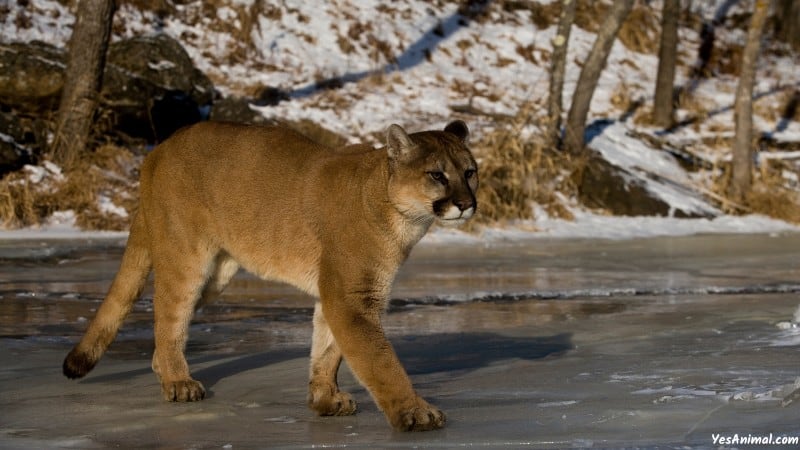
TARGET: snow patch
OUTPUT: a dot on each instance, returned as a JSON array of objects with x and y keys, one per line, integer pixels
[
  {"x": 161, "y": 65},
  {"x": 107, "y": 206},
  {"x": 47, "y": 171}
]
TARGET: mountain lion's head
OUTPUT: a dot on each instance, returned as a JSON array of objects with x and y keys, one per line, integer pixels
[{"x": 432, "y": 174}]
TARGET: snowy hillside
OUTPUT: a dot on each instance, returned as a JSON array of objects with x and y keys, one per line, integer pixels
[{"x": 355, "y": 66}]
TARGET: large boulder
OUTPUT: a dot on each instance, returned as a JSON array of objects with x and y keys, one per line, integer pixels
[
  {"x": 153, "y": 87},
  {"x": 150, "y": 87},
  {"x": 604, "y": 185},
  {"x": 31, "y": 76},
  {"x": 237, "y": 109}
]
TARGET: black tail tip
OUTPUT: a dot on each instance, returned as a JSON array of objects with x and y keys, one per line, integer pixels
[{"x": 77, "y": 365}]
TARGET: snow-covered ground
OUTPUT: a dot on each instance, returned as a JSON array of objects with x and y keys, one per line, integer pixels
[
  {"x": 585, "y": 225},
  {"x": 414, "y": 62}
]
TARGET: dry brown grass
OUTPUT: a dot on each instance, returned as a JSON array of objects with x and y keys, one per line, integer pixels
[
  {"x": 516, "y": 172},
  {"x": 726, "y": 58},
  {"x": 771, "y": 194},
  {"x": 109, "y": 171},
  {"x": 696, "y": 107},
  {"x": 542, "y": 15},
  {"x": 622, "y": 98},
  {"x": 782, "y": 105},
  {"x": 590, "y": 14},
  {"x": 641, "y": 30},
  {"x": 527, "y": 52}
]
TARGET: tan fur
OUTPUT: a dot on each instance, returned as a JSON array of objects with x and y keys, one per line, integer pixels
[{"x": 335, "y": 223}]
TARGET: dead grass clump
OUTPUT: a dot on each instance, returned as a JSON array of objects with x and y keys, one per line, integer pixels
[
  {"x": 159, "y": 7},
  {"x": 101, "y": 189},
  {"x": 527, "y": 52},
  {"x": 644, "y": 116},
  {"x": 625, "y": 99},
  {"x": 726, "y": 58},
  {"x": 783, "y": 107},
  {"x": 780, "y": 203},
  {"x": 345, "y": 45},
  {"x": 590, "y": 14},
  {"x": 17, "y": 201},
  {"x": 515, "y": 173},
  {"x": 112, "y": 175},
  {"x": 641, "y": 30},
  {"x": 542, "y": 15},
  {"x": 695, "y": 106},
  {"x": 505, "y": 172},
  {"x": 774, "y": 192}
]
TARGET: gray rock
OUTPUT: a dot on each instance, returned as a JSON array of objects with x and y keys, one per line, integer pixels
[
  {"x": 16, "y": 140},
  {"x": 31, "y": 75},
  {"x": 153, "y": 88},
  {"x": 236, "y": 109},
  {"x": 604, "y": 185},
  {"x": 153, "y": 66},
  {"x": 150, "y": 87}
]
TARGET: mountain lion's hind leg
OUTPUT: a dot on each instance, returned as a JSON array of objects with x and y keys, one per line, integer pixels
[
  {"x": 179, "y": 280},
  {"x": 324, "y": 395}
]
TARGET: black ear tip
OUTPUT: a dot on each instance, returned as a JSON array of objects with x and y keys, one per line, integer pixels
[{"x": 458, "y": 128}]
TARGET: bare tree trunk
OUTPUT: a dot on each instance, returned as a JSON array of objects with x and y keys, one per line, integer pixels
[
  {"x": 742, "y": 167},
  {"x": 558, "y": 62},
  {"x": 667, "y": 59},
  {"x": 587, "y": 82},
  {"x": 83, "y": 79}
]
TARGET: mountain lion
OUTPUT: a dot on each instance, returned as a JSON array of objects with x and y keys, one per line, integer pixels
[{"x": 335, "y": 223}]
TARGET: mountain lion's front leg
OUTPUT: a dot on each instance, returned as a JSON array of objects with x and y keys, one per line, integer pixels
[
  {"x": 324, "y": 395},
  {"x": 353, "y": 315}
]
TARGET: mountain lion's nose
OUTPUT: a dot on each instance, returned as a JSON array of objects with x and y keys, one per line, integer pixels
[{"x": 464, "y": 205}]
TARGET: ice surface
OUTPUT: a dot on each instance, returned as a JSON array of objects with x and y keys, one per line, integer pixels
[{"x": 694, "y": 353}]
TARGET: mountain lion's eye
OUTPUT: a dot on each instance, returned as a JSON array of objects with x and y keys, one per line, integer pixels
[
  {"x": 469, "y": 173},
  {"x": 439, "y": 177}
]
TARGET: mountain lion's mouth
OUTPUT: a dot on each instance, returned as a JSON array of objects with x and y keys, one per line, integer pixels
[{"x": 453, "y": 222}]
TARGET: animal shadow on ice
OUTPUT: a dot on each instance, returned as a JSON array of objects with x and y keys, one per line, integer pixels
[
  {"x": 420, "y": 354},
  {"x": 455, "y": 352}
]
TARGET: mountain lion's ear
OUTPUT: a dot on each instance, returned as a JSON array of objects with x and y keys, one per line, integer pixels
[
  {"x": 398, "y": 143},
  {"x": 459, "y": 129}
]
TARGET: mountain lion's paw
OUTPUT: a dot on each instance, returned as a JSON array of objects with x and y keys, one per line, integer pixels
[
  {"x": 338, "y": 404},
  {"x": 420, "y": 417},
  {"x": 183, "y": 391}
]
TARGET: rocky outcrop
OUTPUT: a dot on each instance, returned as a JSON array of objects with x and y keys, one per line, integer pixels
[
  {"x": 150, "y": 89},
  {"x": 237, "y": 109},
  {"x": 31, "y": 76},
  {"x": 606, "y": 186},
  {"x": 153, "y": 88}
]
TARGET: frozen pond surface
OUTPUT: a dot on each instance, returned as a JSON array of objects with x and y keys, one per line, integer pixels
[{"x": 543, "y": 343}]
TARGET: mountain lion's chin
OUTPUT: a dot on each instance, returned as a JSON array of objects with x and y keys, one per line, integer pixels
[{"x": 452, "y": 223}]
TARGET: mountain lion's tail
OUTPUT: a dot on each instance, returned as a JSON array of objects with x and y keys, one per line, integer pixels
[{"x": 124, "y": 291}]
